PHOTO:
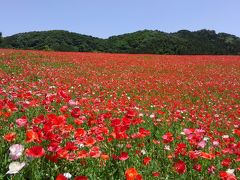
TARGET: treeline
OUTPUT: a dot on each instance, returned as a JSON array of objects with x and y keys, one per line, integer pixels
[{"x": 146, "y": 41}]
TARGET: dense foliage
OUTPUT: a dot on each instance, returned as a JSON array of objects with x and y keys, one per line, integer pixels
[
  {"x": 52, "y": 40},
  {"x": 155, "y": 42},
  {"x": 0, "y": 37}
]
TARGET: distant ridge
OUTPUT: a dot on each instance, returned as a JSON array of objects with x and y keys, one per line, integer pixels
[{"x": 145, "y": 41}]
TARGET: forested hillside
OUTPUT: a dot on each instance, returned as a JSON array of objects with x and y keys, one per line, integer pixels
[{"x": 146, "y": 41}]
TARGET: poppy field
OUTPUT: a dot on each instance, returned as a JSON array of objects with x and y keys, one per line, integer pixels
[{"x": 118, "y": 116}]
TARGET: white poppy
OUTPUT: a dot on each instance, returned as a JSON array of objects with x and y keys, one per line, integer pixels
[
  {"x": 15, "y": 167},
  {"x": 67, "y": 175},
  {"x": 230, "y": 171}
]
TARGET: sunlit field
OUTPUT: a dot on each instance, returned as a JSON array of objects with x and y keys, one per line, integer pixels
[{"x": 115, "y": 116}]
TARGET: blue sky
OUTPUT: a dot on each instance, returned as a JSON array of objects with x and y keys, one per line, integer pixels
[{"x": 103, "y": 18}]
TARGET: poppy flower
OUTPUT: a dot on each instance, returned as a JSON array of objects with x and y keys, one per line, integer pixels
[
  {"x": 16, "y": 151},
  {"x": 194, "y": 154},
  {"x": 180, "y": 167},
  {"x": 38, "y": 120},
  {"x": 197, "y": 167},
  {"x": 144, "y": 132},
  {"x": 76, "y": 112},
  {"x": 123, "y": 156},
  {"x": 67, "y": 175},
  {"x": 115, "y": 122},
  {"x": 155, "y": 174},
  {"x": 167, "y": 138},
  {"x": 180, "y": 149},
  {"x": 95, "y": 152},
  {"x": 35, "y": 151},
  {"x": 70, "y": 146},
  {"x": 207, "y": 155},
  {"x": 132, "y": 174},
  {"x": 104, "y": 156},
  {"x": 237, "y": 132},
  {"x": 53, "y": 146},
  {"x": 21, "y": 122},
  {"x": 202, "y": 144},
  {"x": 80, "y": 133},
  {"x": 82, "y": 154},
  {"x": 211, "y": 169},
  {"x": 89, "y": 141},
  {"x": 63, "y": 94},
  {"x": 58, "y": 120},
  {"x": 52, "y": 157},
  {"x": 131, "y": 113},
  {"x": 63, "y": 109},
  {"x": 146, "y": 160},
  {"x": 78, "y": 121},
  {"x": 72, "y": 103},
  {"x": 63, "y": 153},
  {"x": 15, "y": 167},
  {"x": 32, "y": 136},
  {"x": 227, "y": 176},
  {"x": 226, "y": 162},
  {"x": 10, "y": 136},
  {"x": 61, "y": 177}
]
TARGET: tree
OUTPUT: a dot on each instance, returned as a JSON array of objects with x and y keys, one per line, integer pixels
[{"x": 1, "y": 39}]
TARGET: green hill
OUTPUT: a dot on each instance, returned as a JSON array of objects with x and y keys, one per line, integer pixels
[{"x": 146, "y": 41}]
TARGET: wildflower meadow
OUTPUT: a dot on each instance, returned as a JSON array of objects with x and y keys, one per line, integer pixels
[{"x": 99, "y": 116}]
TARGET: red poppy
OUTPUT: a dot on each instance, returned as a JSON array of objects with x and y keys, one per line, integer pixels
[
  {"x": 131, "y": 113},
  {"x": 236, "y": 131},
  {"x": 76, "y": 112},
  {"x": 70, "y": 146},
  {"x": 194, "y": 154},
  {"x": 115, "y": 122},
  {"x": 59, "y": 120},
  {"x": 144, "y": 132},
  {"x": 180, "y": 167},
  {"x": 226, "y": 176},
  {"x": 61, "y": 177},
  {"x": 180, "y": 149},
  {"x": 32, "y": 136},
  {"x": 82, "y": 154},
  {"x": 155, "y": 174},
  {"x": 63, "y": 94},
  {"x": 63, "y": 109},
  {"x": 38, "y": 120},
  {"x": 63, "y": 153},
  {"x": 167, "y": 138},
  {"x": 132, "y": 174},
  {"x": 10, "y": 136},
  {"x": 89, "y": 141},
  {"x": 207, "y": 155},
  {"x": 146, "y": 160},
  {"x": 80, "y": 133},
  {"x": 197, "y": 167},
  {"x": 123, "y": 156},
  {"x": 35, "y": 151},
  {"x": 226, "y": 162},
  {"x": 95, "y": 152},
  {"x": 78, "y": 122}
]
